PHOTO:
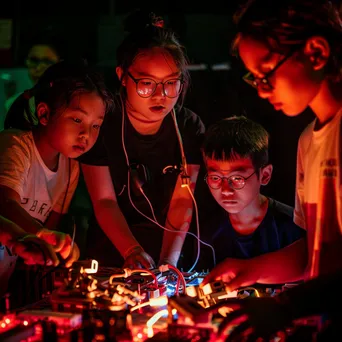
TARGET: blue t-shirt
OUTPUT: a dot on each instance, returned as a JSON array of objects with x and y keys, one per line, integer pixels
[{"x": 277, "y": 230}]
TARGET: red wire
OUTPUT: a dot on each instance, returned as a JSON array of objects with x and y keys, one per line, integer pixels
[
  {"x": 141, "y": 270},
  {"x": 180, "y": 278}
]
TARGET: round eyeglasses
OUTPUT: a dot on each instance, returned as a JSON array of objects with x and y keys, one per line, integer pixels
[
  {"x": 264, "y": 82},
  {"x": 34, "y": 62},
  {"x": 236, "y": 182},
  {"x": 146, "y": 86}
]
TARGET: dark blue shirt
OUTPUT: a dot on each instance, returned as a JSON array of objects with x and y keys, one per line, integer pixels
[{"x": 277, "y": 230}]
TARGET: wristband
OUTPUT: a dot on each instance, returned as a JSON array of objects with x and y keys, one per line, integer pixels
[{"x": 130, "y": 250}]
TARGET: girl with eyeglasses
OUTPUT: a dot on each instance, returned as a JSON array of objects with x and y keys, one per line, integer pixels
[{"x": 133, "y": 172}]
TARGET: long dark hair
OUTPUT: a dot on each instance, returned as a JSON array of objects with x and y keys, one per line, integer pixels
[
  {"x": 146, "y": 31},
  {"x": 286, "y": 24},
  {"x": 56, "y": 87}
]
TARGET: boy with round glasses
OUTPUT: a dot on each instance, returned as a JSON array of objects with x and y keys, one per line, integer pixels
[{"x": 235, "y": 152}]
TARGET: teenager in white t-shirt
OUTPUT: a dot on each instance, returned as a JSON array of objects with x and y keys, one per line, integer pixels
[
  {"x": 38, "y": 170},
  {"x": 292, "y": 50}
]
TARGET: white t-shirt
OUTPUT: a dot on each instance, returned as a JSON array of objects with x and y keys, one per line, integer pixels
[
  {"x": 40, "y": 189},
  {"x": 318, "y": 195}
]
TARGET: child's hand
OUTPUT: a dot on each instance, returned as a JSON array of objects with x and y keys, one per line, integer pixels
[
  {"x": 235, "y": 272},
  {"x": 139, "y": 259},
  {"x": 34, "y": 251},
  {"x": 71, "y": 255},
  {"x": 62, "y": 244},
  {"x": 167, "y": 261},
  {"x": 254, "y": 319}
]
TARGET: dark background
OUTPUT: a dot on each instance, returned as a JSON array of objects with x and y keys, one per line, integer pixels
[{"x": 94, "y": 30}]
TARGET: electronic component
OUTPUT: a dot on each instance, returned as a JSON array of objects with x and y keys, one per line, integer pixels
[
  {"x": 187, "y": 320},
  {"x": 99, "y": 304},
  {"x": 210, "y": 293},
  {"x": 62, "y": 319},
  {"x": 188, "y": 310},
  {"x": 13, "y": 329},
  {"x": 20, "y": 332}
]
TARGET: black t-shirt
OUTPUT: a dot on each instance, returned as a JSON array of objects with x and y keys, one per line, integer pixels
[
  {"x": 154, "y": 160},
  {"x": 277, "y": 230}
]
